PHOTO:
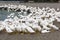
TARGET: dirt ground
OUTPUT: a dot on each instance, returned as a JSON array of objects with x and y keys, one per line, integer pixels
[{"x": 47, "y": 36}]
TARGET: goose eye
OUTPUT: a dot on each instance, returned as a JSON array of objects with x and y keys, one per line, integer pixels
[
  {"x": 24, "y": 10},
  {"x": 23, "y": 21},
  {"x": 28, "y": 11},
  {"x": 19, "y": 21}
]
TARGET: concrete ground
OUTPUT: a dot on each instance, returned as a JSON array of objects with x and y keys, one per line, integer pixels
[{"x": 47, "y": 36}]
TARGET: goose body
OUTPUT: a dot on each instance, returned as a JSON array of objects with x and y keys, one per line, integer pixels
[{"x": 29, "y": 19}]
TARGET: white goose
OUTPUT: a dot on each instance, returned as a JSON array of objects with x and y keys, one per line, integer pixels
[
  {"x": 9, "y": 26},
  {"x": 44, "y": 16},
  {"x": 1, "y": 25}
]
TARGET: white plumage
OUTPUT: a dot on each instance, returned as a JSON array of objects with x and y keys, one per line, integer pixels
[{"x": 37, "y": 19}]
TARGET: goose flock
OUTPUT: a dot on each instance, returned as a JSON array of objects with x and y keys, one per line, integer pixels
[{"x": 30, "y": 19}]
